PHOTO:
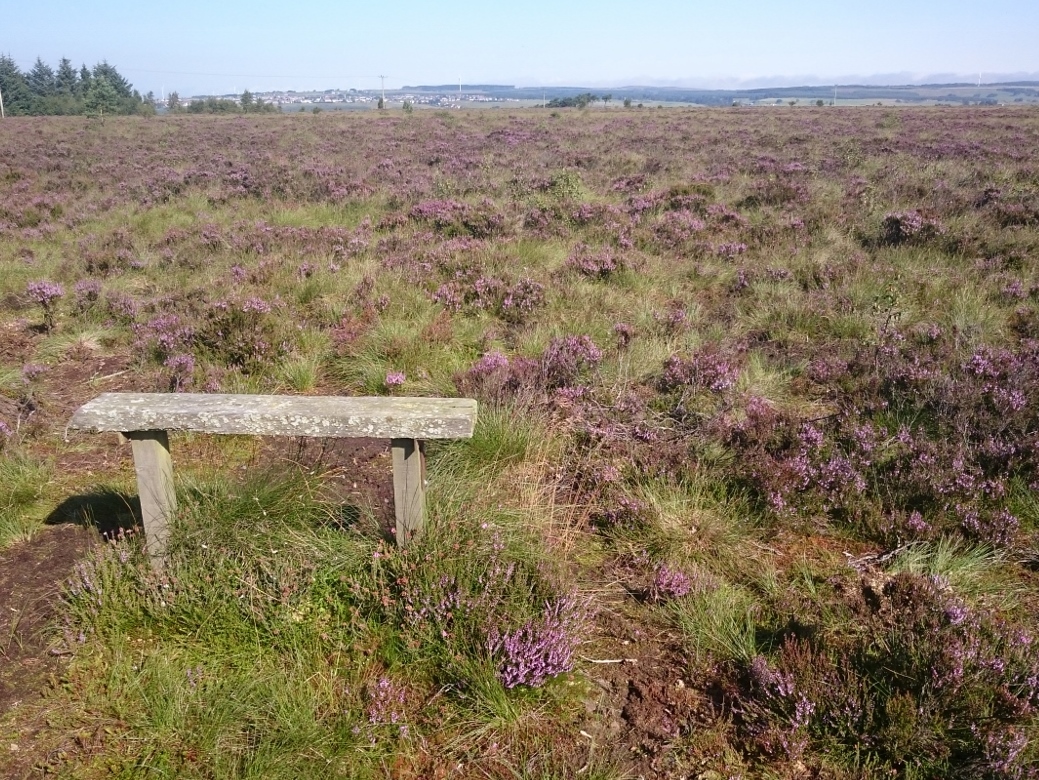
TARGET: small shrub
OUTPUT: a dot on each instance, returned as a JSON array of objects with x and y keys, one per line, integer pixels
[
  {"x": 909, "y": 227},
  {"x": 46, "y": 294}
]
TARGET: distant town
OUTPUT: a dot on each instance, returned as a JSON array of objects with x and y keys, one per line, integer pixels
[
  {"x": 499, "y": 95},
  {"x": 347, "y": 99}
]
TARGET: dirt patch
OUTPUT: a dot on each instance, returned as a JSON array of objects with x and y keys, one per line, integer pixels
[
  {"x": 31, "y": 574},
  {"x": 643, "y": 704}
]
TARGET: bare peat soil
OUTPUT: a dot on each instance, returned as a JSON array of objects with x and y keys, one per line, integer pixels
[{"x": 31, "y": 576}]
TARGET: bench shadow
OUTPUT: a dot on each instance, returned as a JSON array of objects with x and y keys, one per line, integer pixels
[
  {"x": 359, "y": 519},
  {"x": 107, "y": 510}
]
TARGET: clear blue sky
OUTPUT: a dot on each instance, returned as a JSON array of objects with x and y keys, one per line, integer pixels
[{"x": 224, "y": 45}]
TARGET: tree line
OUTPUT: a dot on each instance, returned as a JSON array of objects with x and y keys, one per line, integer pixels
[
  {"x": 583, "y": 101},
  {"x": 67, "y": 91},
  {"x": 246, "y": 104}
]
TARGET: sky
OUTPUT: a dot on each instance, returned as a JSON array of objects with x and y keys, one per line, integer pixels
[{"x": 224, "y": 46}]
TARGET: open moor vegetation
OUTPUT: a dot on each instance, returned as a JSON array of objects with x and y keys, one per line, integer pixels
[{"x": 753, "y": 490}]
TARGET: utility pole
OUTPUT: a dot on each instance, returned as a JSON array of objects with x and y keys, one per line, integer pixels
[
  {"x": 383, "y": 80},
  {"x": 2, "y": 116}
]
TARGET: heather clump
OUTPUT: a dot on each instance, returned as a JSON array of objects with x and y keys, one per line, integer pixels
[
  {"x": 910, "y": 227},
  {"x": 708, "y": 369},
  {"x": 669, "y": 584},
  {"x": 471, "y": 594},
  {"x": 567, "y": 359},
  {"x": 934, "y": 443},
  {"x": 243, "y": 334},
  {"x": 601, "y": 264},
  {"x": 457, "y": 218},
  {"x": 180, "y": 370},
  {"x": 87, "y": 294},
  {"x": 676, "y": 229},
  {"x": 542, "y": 647},
  {"x": 904, "y": 691},
  {"x": 163, "y": 336},
  {"x": 496, "y": 378},
  {"x": 511, "y": 302}
]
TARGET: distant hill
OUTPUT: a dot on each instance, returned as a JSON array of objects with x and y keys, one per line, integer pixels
[
  {"x": 455, "y": 87},
  {"x": 956, "y": 93}
]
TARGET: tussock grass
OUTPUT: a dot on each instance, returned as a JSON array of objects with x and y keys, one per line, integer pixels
[
  {"x": 718, "y": 624},
  {"x": 23, "y": 507}
]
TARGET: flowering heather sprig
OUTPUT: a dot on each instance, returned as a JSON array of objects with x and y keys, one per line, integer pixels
[
  {"x": 511, "y": 302},
  {"x": 675, "y": 319},
  {"x": 565, "y": 358},
  {"x": 670, "y": 584},
  {"x": 722, "y": 214},
  {"x": 1015, "y": 290},
  {"x": 730, "y": 249},
  {"x": 194, "y": 676},
  {"x": 87, "y": 292},
  {"x": 257, "y": 305},
  {"x": 386, "y": 700},
  {"x": 46, "y": 294},
  {"x": 32, "y": 371},
  {"x": 997, "y": 528},
  {"x": 542, "y": 647},
  {"x": 625, "y": 333},
  {"x": 164, "y": 334},
  {"x": 521, "y": 299},
  {"x": 395, "y": 379},
  {"x": 182, "y": 369},
  {"x": 675, "y": 228},
  {"x": 122, "y": 307},
  {"x": 488, "y": 364}
]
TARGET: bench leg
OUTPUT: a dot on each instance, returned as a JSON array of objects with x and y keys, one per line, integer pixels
[
  {"x": 409, "y": 487},
  {"x": 151, "y": 460}
]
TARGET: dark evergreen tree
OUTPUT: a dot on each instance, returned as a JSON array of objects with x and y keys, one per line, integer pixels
[
  {"x": 114, "y": 78},
  {"x": 66, "y": 79},
  {"x": 41, "y": 80},
  {"x": 17, "y": 96},
  {"x": 83, "y": 85}
]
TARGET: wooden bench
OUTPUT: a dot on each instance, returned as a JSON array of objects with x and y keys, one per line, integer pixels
[{"x": 146, "y": 418}]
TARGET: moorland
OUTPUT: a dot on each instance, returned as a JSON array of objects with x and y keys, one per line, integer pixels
[{"x": 752, "y": 491}]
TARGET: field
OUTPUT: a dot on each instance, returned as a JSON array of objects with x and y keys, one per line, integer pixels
[{"x": 753, "y": 491}]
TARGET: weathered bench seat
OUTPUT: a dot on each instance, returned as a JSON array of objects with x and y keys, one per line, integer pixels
[{"x": 145, "y": 419}]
